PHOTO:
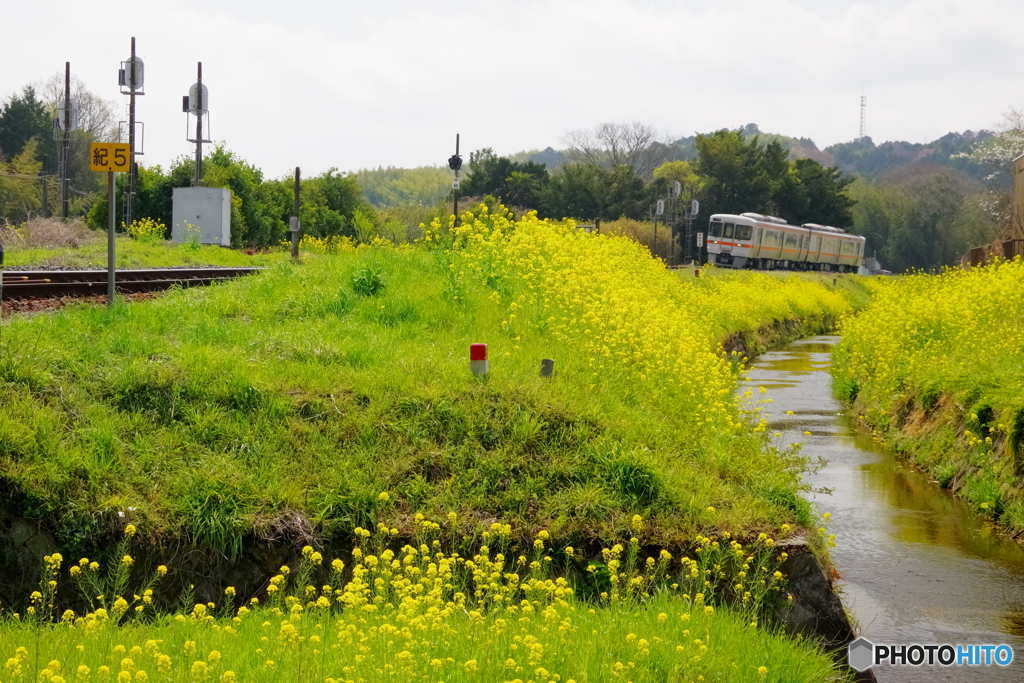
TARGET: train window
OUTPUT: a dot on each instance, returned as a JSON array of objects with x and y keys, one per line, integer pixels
[
  {"x": 771, "y": 237},
  {"x": 790, "y": 240},
  {"x": 743, "y": 232},
  {"x": 846, "y": 247},
  {"x": 715, "y": 230},
  {"x": 727, "y": 231}
]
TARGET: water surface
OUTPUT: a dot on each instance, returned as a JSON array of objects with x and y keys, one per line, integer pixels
[{"x": 916, "y": 565}]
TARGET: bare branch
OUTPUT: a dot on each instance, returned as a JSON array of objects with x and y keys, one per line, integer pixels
[
  {"x": 96, "y": 117},
  {"x": 615, "y": 144}
]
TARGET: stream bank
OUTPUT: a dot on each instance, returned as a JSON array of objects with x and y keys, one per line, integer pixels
[{"x": 914, "y": 564}]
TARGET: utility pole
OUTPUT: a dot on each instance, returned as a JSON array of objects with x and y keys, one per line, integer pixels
[
  {"x": 46, "y": 199},
  {"x": 66, "y": 141}
]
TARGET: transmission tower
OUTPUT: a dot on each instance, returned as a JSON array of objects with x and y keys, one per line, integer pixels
[{"x": 863, "y": 117}]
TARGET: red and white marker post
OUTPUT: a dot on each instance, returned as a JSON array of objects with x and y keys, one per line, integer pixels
[{"x": 478, "y": 359}]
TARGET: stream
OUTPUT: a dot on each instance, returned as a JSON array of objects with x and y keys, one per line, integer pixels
[{"x": 916, "y": 565}]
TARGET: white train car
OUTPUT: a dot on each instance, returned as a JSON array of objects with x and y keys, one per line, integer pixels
[{"x": 751, "y": 240}]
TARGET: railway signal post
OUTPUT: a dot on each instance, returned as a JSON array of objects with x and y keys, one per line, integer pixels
[
  {"x": 455, "y": 163},
  {"x": 112, "y": 157}
]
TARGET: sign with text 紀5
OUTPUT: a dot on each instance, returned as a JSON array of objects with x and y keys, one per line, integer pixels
[{"x": 110, "y": 156}]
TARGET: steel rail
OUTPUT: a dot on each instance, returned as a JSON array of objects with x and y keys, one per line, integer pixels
[{"x": 44, "y": 284}]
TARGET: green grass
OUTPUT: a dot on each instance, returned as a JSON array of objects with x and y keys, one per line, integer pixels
[
  {"x": 136, "y": 254},
  {"x": 215, "y": 414},
  {"x": 666, "y": 639},
  {"x": 239, "y": 421}
]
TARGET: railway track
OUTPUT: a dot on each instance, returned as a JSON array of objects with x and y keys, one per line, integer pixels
[{"x": 49, "y": 284}]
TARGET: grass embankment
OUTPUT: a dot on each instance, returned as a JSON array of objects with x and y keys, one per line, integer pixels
[
  {"x": 934, "y": 366},
  {"x": 132, "y": 254},
  {"x": 242, "y": 410},
  {"x": 309, "y": 400}
]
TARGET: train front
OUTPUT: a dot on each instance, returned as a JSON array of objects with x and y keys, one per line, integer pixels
[{"x": 729, "y": 240}]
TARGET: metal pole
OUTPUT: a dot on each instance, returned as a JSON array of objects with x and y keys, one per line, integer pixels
[
  {"x": 199, "y": 127},
  {"x": 295, "y": 218},
  {"x": 66, "y": 142},
  {"x": 129, "y": 208},
  {"x": 456, "y": 189},
  {"x": 111, "y": 273}
]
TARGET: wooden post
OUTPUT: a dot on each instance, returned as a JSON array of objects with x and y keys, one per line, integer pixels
[{"x": 66, "y": 143}]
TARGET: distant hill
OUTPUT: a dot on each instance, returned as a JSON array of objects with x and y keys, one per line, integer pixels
[{"x": 867, "y": 159}]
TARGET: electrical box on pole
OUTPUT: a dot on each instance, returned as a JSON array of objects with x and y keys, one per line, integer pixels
[{"x": 131, "y": 78}]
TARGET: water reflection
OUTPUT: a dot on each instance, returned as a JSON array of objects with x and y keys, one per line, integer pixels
[{"x": 917, "y": 565}]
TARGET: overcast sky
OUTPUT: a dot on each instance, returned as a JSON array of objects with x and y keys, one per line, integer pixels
[{"x": 353, "y": 85}]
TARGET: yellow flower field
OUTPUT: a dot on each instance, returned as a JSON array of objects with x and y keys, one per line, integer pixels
[
  {"x": 421, "y": 614},
  {"x": 936, "y": 364}
]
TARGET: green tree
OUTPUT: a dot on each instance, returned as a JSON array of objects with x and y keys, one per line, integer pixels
[
  {"x": 734, "y": 183},
  {"x": 682, "y": 172},
  {"x": 514, "y": 183},
  {"x": 922, "y": 218},
  {"x": 826, "y": 190},
  {"x": 578, "y": 190},
  {"x": 20, "y": 191},
  {"x": 585, "y": 191},
  {"x": 743, "y": 175},
  {"x": 257, "y": 208},
  {"x": 329, "y": 205},
  {"x": 24, "y": 118}
]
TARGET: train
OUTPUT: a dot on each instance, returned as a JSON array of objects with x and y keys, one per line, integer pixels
[{"x": 752, "y": 240}]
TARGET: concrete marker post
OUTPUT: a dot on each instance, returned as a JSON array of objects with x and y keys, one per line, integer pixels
[
  {"x": 547, "y": 366},
  {"x": 478, "y": 359}
]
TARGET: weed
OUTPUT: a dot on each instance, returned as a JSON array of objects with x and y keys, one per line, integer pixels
[{"x": 368, "y": 280}]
